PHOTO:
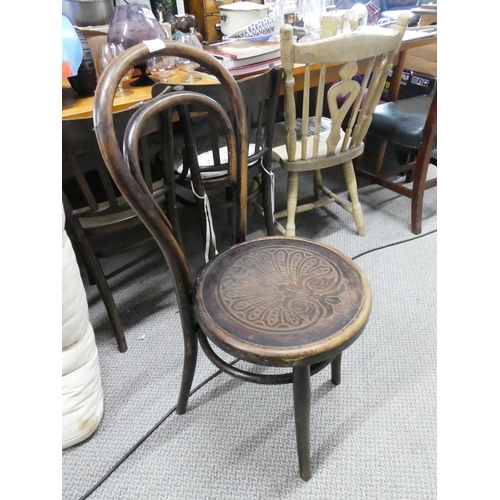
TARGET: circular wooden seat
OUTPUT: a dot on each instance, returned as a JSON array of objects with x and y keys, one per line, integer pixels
[{"x": 282, "y": 301}]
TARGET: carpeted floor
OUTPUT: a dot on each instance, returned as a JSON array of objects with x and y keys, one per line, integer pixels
[{"x": 373, "y": 437}]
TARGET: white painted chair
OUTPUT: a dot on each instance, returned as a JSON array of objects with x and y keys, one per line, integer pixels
[{"x": 315, "y": 142}]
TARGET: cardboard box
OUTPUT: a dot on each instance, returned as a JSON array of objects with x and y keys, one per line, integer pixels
[{"x": 413, "y": 83}]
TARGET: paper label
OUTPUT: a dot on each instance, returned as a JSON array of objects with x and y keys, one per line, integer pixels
[{"x": 154, "y": 45}]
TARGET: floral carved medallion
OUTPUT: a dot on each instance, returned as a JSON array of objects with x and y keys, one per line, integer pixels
[{"x": 279, "y": 290}]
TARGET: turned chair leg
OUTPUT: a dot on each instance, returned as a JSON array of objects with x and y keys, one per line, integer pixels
[
  {"x": 292, "y": 194},
  {"x": 352, "y": 189},
  {"x": 318, "y": 182},
  {"x": 336, "y": 369},
  {"x": 302, "y": 409}
]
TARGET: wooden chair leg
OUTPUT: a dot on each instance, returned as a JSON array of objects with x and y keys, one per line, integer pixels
[
  {"x": 379, "y": 158},
  {"x": 418, "y": 190},
  {"x": 291, "y": 206},
  {"x": 190, "y": 357},
  {"x": 352, "y": 189},
  {"x": 318, "y": 181},
  {"x": 252, "y": 203},
  {"x": 229, "y": 201},
  {"x": 336, "y": 369},
  {"x": 302, "y": 409}
]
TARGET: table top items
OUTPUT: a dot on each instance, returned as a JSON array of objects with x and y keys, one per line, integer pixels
[
  {"x": 235, "y": 16},
  {"x": 107, "y": 52},
  {"x": 185, "y": 64},
  {"x": 162, "y": 67},
  {"x": 245, "y": 56},
  {"x": 133, "y": 24}
]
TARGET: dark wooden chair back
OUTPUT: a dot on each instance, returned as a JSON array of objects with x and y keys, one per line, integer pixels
[{"x": 201, "y": 136}]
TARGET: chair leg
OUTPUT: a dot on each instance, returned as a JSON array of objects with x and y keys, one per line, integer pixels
[
  {"x": 318, "y": 181},
  {"x": 418, "y": 190},
  {"x": 336, "y": 369},
  {"x": 352, "y": 189},
  {"x": 379, "y": 158},
  {"x": 302, "y": 409},
  {"x": 292, "y": 193},
  {"x": 229, "y": 201},
  {"x": 252, "y": 203},
  {"x": 190, "y": 357}
]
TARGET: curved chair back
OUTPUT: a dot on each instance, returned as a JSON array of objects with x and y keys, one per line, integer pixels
[
  {"x": 106, "y": 136},
  {"x": 127, "y": 175}
]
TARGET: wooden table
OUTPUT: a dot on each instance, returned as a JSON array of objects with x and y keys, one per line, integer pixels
[
  {"x": 74, "y": 106},
  {"x": 427, "y": 16}
]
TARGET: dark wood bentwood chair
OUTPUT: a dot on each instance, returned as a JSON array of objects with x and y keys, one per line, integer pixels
[
  {"x": 99, "y": 220},
  {"x": 410, "y": 125},
  {"x": 315, "y": 142},
  {"x": 204, "y": 146},
  {"x": 272, "y": 301}
]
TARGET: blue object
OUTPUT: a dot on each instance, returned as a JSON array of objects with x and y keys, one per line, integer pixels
[{"x": 72, "y": 51}]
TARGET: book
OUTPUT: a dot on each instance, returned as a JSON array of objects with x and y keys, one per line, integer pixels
[
  {"x": 240, "y": 48},
  {"x": 251, "y": 69},
  {"x": 241, "y": 52}
]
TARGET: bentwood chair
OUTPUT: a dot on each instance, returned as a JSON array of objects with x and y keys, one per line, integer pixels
[
  {"x": 315, "y": 142},
  {"x": 204, "y": 147},
  {"x": 99, "y": 220},
  {"x": 272, "y": 301},
  {"x": 410, "y": 125}
]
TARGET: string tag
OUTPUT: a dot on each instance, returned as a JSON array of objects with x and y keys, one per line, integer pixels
[
  {"x": 271, "y": 174},
  {"x": 210, "y": 232}
]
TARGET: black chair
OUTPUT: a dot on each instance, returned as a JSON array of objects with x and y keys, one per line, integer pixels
[
  {"x": 204, "y": 149},
  {"x": 410, "y": 125},
  {"x": 272, "y": 301}
]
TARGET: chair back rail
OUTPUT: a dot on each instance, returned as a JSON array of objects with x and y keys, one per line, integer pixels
[
  {"x": 126, "y": 176},
  {"x": 109, "y": 145}
]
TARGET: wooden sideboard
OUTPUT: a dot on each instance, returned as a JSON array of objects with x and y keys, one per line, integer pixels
[{"x": 207, "y": 15}]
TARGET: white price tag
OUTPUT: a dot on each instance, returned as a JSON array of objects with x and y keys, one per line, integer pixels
[{"x": 154, "y": 45}]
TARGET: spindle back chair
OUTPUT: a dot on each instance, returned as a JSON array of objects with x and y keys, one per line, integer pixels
[{"x": 315, "y": 142}]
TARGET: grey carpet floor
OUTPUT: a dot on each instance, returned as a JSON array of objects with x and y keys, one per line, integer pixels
[{"x": 372, "y": 437}]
